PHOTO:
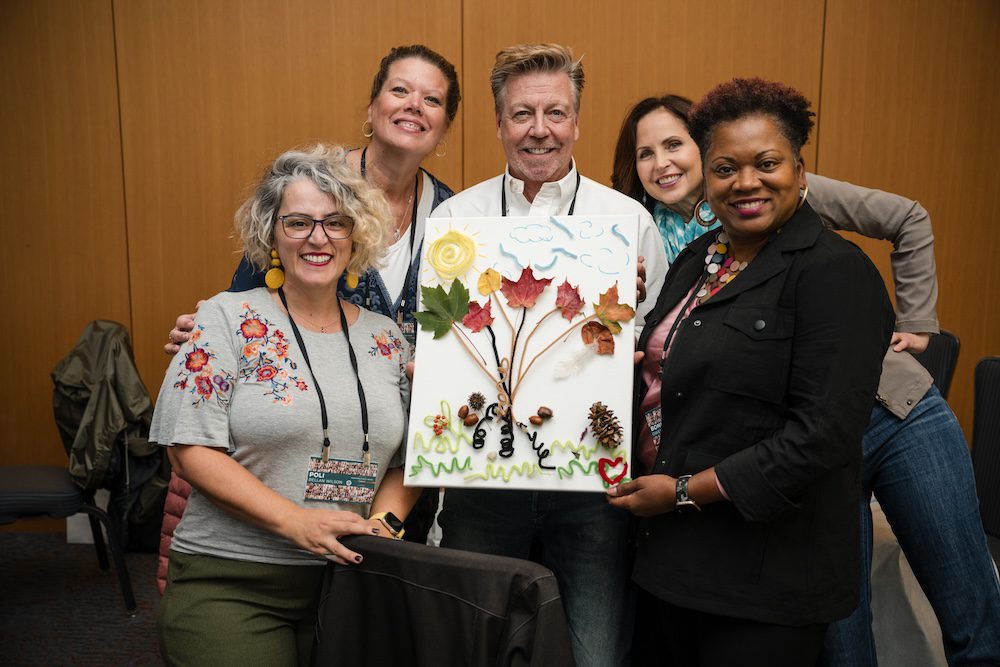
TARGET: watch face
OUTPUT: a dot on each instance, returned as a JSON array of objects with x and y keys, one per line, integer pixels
[{"x": 393, "y": 522}]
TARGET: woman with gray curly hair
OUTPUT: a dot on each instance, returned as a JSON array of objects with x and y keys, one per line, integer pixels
[{"x": 285, "y": 412}]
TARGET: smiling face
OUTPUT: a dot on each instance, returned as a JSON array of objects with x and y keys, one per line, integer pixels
[
  {"x": 752, "y": 178},
  {"x": 537, "y": 126},
  {"x": 409, "y": 112},
  {"x": 667, "y": 161},
  {"x": 315, "y": 262}
]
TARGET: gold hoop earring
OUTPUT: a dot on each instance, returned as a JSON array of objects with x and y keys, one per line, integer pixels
[
  {"x": 371, "y": 130},
  {"x": 275, "y": 276},
  {"x": 704, "y": 215},
  {"x": 442, "y": 143},
  {"x": 803, "y": 193}
]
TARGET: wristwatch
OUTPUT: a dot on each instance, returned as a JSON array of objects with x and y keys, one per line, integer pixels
[
  {"x": 683, "y": 503},
  {"x": 391, "y": 523}
]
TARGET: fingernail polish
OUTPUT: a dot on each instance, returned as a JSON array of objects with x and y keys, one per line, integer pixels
[
  {"x": 357, "y": 559},
  {"x": 374, "y": 531}
]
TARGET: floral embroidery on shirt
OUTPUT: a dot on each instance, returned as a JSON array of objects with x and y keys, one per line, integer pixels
[
  {"x": 386, "y": 345},
  {"x": 197, "y": 377},
  {"x": 265, "y": 357}
]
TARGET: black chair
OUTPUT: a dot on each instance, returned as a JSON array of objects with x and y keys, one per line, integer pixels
[
  {"x": 940, "y": 358},
  {"x": 986, "y": 448},
  {"x": 48, "y": 491},
  {"x": 411, "y": 604}
]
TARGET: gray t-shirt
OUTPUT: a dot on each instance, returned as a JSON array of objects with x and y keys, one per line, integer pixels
[{"x": 242, "y": 384}]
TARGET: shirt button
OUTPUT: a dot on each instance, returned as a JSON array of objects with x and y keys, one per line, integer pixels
[
  {"x": 909, "y": 401},
  {"x": 759, "y": 325},
  {"x": 646, "y": 533},
  {"x": 679, "y": 394},
  {"x": 697, "y": 323}
]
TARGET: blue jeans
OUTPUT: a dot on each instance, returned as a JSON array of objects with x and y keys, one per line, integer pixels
[
  {"x": 583, "y": 540},
  {"x": 920, "y": 471}
]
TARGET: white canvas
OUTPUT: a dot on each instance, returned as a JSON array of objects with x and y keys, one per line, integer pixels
[{"x": 592, "y": 254}]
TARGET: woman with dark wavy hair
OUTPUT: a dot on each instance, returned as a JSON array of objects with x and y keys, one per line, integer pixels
[{"x": 762, "y": 356}]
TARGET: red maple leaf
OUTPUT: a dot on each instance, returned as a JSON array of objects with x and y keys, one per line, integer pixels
[
  {"x": 568, "y": 300},
  {"x": 610, "y": 312},
  {"x": 525, "y": 291},
  {"x": 478, "y": 317},
  {"x": 595, "y": 332}
]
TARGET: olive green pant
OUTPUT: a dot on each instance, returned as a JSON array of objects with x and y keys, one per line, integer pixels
[{"x": 217, "y": 611}]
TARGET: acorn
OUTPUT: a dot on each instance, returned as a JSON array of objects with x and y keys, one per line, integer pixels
[
  {"x": 536, "y": 420},
  {"x": 470, "y": 420},
  {"x": 544, "y": 412},
  {"x": 463, "y": 412}
]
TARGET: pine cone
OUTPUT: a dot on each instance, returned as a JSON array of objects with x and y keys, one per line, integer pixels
[
  {"x": 476, "y": 401},
  {"x": 605, "y": 425}
]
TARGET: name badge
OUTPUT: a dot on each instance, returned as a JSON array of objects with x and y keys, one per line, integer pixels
[
  {"x": 654, "y": 422},
  {"x": 337, "y": 480}
]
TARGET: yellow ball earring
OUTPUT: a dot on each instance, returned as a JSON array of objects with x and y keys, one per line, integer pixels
[
  {"x": 352, "y": 280},
  {"x": 275, "y": 276}
]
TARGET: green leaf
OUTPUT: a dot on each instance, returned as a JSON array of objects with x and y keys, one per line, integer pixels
[{"x": 442, "y": 308}]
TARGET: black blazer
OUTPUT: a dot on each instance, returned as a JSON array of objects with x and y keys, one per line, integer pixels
[{"x": 771, "y": 381}]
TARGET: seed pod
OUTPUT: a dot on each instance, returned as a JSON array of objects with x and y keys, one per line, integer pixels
[
  {"x": 544, "y": 412},
  {"x": 536, "y": 420},
  {"x": 463, "y": 412},
  {"x": 470, "y": 420}
]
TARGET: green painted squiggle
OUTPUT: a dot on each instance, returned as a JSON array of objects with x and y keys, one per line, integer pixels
[
  {"x": 526, "y": 469},
  {"x": 437, "y": 468}
]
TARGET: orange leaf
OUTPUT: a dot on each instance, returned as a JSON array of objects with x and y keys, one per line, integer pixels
[
  {"x": 525, "y": 291},
  {"x": 610, "y": 312},
  {"x": 595, "y": 332}
]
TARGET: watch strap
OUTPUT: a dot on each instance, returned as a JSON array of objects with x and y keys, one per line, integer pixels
[
  {"x": 381, "y": 518},
  {"x": 683, "y": 502}
]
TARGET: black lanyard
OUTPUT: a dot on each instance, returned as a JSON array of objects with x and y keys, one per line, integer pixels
[
  {"x": 413, "y": 236},
  {"x": 366, "y": 456},
  {"x": 503, "y": 195},
  {"x": 681, "y": 316}
]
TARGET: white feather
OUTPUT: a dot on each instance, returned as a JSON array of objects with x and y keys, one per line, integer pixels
[{"x": 571, "y": 364}]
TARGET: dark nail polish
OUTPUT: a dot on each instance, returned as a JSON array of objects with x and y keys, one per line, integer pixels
[{"x": 357, "y": 559}]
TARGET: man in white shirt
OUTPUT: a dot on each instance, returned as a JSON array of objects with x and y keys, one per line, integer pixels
[{"x": 536, "y": 89}]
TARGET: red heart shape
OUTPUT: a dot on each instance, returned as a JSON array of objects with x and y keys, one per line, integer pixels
[{"x": 604, "y": 463}]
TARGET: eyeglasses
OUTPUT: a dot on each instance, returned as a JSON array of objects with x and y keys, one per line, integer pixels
[{"x": 337, "y": 227}]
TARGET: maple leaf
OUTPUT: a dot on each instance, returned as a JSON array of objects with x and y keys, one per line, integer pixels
[
  {"x": 478, "y": 316},
  {"x": 568, "y": 300},
  {"x": 489, "y": 282},
  {"x": 525, "y": 291},
  {"x": 442, "y": 308},
  {"x": 610, "y": 312},
  {"x": 596, "y": 333}
]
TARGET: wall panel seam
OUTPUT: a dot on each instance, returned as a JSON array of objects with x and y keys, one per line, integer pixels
[{"x": 121, "y": 151}]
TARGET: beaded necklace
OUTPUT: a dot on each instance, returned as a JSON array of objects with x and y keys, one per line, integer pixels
[{"x": 722, "y": 269}]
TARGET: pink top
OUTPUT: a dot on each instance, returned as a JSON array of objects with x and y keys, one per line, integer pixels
[{"x": 649, "y": 408}]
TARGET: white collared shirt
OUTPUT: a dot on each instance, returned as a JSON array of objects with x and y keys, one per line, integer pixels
[{"x": 483, "y": 200}]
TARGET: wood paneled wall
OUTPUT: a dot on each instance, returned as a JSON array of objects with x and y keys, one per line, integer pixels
[
  {"x": 909, "y": 105},
  {"x": 65, "y": 260},
  {"x": 132, "y": 129}
]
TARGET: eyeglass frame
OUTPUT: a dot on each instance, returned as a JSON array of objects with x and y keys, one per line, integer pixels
[{"x": 320, "y": 222}]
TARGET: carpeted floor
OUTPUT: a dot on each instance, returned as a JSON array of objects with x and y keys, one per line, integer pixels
[{"x": 57, "y": 607}]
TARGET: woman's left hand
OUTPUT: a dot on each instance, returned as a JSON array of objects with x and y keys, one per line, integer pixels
[
  {"x": 915, "y": 343},
  {"x": 647, "y": 496}
]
